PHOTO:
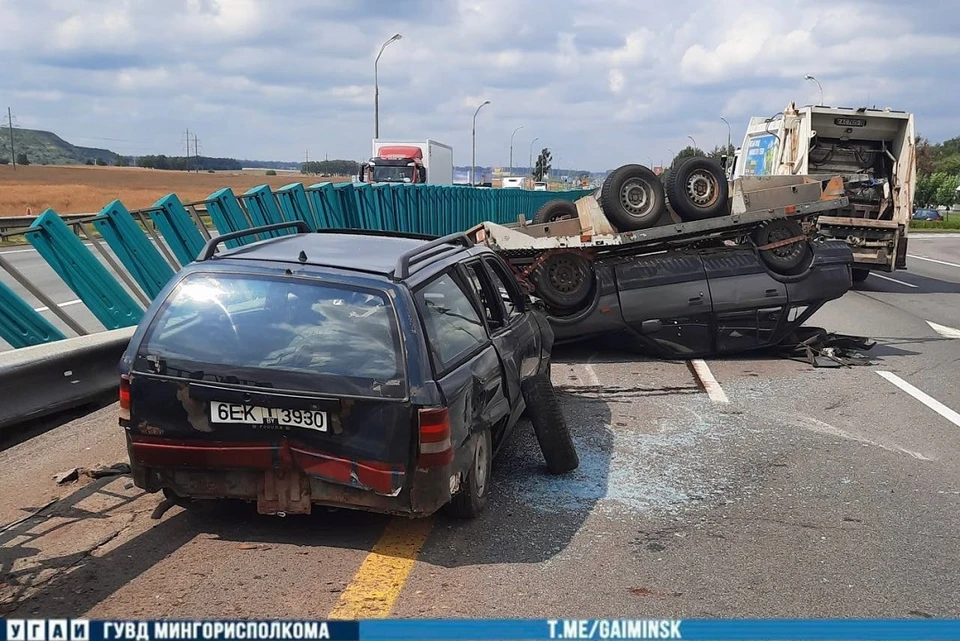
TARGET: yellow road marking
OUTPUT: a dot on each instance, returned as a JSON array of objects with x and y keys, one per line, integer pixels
[{"x": 377, "y": 584}]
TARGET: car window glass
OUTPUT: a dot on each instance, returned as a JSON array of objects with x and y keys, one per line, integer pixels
[
  {"x": 485, "y": 292},
  {"x": 453, "y": 326},
  {"x": 507, "y": 288},
  {"x": 293, "y": 329}
]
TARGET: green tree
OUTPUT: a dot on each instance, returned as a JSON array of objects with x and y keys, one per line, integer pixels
[
  {"x": 122, "y": 161},
  {"x": 88, "y": 161},
  {"x": 947, "y": 190},
  {"x": 270, "y": 172},
  {"x": 933, "y": 190},
  {"x": 22, "y": 159},
  {"x": 100, "y": 162},
  {"x": 722, "y": 150},
  {"x": 926, "y": 154},
  {"x": 4, "y": 161},
  {"x": 542, "y": 167}
]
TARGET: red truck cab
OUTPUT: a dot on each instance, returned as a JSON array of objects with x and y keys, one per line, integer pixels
[{"x": 395, "y": 164}]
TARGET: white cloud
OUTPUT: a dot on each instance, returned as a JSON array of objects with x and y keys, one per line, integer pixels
[{"x": 605, "y": 82}]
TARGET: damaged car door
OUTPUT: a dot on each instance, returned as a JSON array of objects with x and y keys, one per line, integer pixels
[{"x": 466, "y": 366}]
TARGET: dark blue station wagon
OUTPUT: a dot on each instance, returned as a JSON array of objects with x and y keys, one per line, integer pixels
[{"x": 341, "y": 368}]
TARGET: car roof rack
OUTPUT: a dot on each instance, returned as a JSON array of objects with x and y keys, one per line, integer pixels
[
  {"x": 429, "y": 250},
  {"x": 211, "y": 247},
  {"x": 377, "y": 232}
]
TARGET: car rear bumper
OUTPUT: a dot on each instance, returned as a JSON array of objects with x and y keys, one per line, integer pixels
[{"x": 282, "y": 478}]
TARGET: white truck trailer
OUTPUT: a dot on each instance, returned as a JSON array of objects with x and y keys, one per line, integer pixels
[
  {"x": 428, "y": 162},
  {"x": 873, "y": 150}
]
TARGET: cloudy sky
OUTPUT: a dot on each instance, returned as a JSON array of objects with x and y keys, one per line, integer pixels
[{"x": 600, "y": 82}]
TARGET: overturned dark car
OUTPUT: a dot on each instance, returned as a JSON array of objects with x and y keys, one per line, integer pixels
[{"x": 702, "y": 267}]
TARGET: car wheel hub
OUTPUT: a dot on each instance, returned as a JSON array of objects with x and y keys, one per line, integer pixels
[
  {"x": 565, "y": 276},
  {"x": 635, "y": 196},
  {"x": 702, "y": 189},
  {"x": 480, "y": 466},
  {"x": 778, "y": 234}
]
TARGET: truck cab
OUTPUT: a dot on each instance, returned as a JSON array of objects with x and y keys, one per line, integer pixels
[
  {"x": 872, "y": 149},
  {"x": 397, "y": 164}
]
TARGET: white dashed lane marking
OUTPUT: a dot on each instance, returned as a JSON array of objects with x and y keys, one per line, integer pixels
[
  {"x": 943, "y": 330},
  {"x": 923, "y": 397},
  {"x": 709, "y": 382},
  {"x": 894, "y": 280}
]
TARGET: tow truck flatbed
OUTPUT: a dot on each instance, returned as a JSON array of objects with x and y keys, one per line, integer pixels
[{"x": 754, "y": 201}]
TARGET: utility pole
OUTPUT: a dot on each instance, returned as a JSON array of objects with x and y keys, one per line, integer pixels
[
  {"x": 13, "y": 154},
  {"x": 196, "y": 151},
  {"x": 187, "y": 157}
]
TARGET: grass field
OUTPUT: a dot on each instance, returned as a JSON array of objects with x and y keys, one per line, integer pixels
[{"x": 83, "y": 189}]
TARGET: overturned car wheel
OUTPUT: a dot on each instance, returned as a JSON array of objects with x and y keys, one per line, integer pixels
[
  {"x": 565, "y": 280},
  {"x": 785, "y": 259},
  {"x": 550, "y": 425},
  {"x": 555, "y": 210}
]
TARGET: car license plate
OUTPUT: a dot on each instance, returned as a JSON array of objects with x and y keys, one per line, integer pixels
[{"x": 256, "y": 415}]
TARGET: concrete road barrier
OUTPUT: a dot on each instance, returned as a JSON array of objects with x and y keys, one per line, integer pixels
[{"x": 42, "y": 379}]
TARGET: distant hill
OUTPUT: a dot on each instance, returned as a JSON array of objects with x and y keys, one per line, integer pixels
[{"x": 44, "y": 147}]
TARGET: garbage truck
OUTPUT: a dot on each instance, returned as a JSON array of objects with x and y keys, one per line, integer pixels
[{"x": 874, "y": 150}]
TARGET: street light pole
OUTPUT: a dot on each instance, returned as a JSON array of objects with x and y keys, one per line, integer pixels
[
  {"x": 473, "y": 162},
  {"x": 694, "y": 145},
  {"x": 376, "y": 87},
  {"x": 809, "y": 77},
  {"x": 530, "y": 159},
  {"x": 511, "y": 147},
  {"x": 729, "y": 144}
]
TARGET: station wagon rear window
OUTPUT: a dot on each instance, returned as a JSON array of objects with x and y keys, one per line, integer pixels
[{"x": 277, "y": 332}]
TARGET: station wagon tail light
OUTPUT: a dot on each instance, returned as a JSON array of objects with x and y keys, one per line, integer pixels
[
  {"x": 436, "y": 449},
  {"x": 125, "y": 398}
]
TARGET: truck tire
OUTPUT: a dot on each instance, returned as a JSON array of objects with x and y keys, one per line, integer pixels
[
  {"x": 697, "y": 189},
  {"x": 550, "y": 426},
  {"x": 555, "y": 210},
  {"x": 784, "y": 260},
  {"x": 471, "y": 498},
  {"x": 632, "y": 198},
  {"x": 564, "y": 280},
  {"x": 860, "y": 274}
]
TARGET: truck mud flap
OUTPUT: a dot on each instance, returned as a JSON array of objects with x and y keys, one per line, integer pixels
[{"x": 902, "y": 250}]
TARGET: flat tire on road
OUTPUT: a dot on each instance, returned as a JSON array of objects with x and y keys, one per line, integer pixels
[{"x": 550, "y": 425}]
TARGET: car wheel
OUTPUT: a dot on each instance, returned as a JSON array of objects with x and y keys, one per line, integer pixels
[
  {"x": 632, "y": 198},
  {"x": 564, "y": 280},
  {"x": 787, "y": 259},
  {"x": 698, "y": 189},
  {"x": 550, "y": 426},
  {"x": 555, "y": 210},
  {"x": 470, "y": 500},
  {"x": 860, "y": 274}
]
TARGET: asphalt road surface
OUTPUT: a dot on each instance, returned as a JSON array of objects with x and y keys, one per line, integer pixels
[{"x": 810, "y": 492}]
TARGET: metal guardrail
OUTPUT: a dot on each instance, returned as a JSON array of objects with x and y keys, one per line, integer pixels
[
  {"x": 10, "y": 224},
  {"x": 43, "y": 379}
]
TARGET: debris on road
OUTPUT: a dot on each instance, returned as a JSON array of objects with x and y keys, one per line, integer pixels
[
  {"x": 820, "y": 348},
  {"x": 67, "y": 477},
  {"x": 99, "y": 471}
]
